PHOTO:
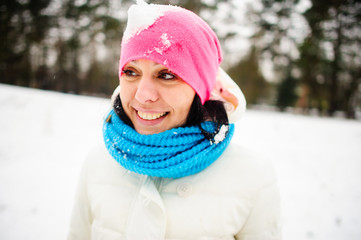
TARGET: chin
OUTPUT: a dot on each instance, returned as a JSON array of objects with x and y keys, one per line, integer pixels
[{"x": 147, "y": 132}]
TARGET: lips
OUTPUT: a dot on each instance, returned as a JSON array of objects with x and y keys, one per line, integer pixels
[{"x": 150, "y": 116}]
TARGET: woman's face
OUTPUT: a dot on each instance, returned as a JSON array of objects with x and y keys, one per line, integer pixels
[{"x": 154, "y": 98}]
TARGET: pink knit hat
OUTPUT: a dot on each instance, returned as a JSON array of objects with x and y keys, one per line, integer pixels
[{"x": 176, "y": 38}]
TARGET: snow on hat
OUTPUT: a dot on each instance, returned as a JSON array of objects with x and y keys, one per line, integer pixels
[{"x": 176, "y": 38}]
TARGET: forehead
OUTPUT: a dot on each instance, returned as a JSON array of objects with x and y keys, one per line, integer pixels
[{"x": 139, "y": 62}]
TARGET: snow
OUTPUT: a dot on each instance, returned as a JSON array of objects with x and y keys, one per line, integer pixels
[
  {"x": 164, "y": 44},
  {"x": 142, "y": 15},
  {"x": 221, "y": 135},
  {"x": 44, "y": 136}
]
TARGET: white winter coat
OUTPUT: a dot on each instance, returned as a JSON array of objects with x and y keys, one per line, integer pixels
[{"x": 234, "y": 198}]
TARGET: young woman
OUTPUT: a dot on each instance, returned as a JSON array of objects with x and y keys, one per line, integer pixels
[{"x": 168, "y": 168}]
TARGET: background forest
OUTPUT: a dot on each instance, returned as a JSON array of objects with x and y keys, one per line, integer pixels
[{"x": 303, "y": 54}]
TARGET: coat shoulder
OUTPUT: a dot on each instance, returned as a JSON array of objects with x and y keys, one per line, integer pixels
[
  {"x": 102, "y": 168},
  {"x": 240, "y": 169}
]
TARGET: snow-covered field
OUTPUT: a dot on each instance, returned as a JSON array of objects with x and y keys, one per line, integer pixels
[{"x": 45, "y": 135}]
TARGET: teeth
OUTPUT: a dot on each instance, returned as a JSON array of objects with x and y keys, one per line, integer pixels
[{"x": 150, "y": 116}]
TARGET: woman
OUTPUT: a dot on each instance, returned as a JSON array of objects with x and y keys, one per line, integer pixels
[{"x": 169, "y": 169}]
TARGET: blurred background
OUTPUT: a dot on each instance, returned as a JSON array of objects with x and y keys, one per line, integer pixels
[{"x": 299, "y": 56}]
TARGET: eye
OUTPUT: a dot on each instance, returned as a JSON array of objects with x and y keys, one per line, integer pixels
[
  {"x": 166, "y": 75},
  {"x": 128, "y": 73}
]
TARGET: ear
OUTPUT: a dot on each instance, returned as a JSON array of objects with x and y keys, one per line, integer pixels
[{"x": 228, "y": 91}]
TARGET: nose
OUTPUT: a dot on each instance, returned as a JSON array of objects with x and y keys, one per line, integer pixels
[{"x": 147, "y": 90}]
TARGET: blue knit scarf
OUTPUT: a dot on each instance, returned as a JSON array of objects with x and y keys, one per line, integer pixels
[{"x": 175, "y": 153}]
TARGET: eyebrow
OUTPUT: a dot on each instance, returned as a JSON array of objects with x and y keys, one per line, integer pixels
[{"x": 137, "y": 60}]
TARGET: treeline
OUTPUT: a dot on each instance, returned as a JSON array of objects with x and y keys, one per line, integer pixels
[{"x": 288, "y": 53}]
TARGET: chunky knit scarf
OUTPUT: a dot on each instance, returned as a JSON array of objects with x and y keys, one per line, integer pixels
[{"x": 175, "y": 153}]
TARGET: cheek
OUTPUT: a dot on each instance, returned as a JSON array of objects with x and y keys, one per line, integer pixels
[
  {"x": 126, "y": 89},
  {"x": 125, "y": 94},
  {"x": 186, "y": 103},
  {"x": 182, "y": 102}
]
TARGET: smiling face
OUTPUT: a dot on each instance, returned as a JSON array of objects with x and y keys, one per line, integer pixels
[{"x": 154, "y": 99}]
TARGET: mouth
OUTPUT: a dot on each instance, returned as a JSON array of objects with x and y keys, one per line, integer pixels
[{"x": 150, "y": 116}]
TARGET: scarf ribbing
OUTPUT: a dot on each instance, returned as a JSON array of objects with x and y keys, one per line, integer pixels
[{"x": 174, "y": 153}]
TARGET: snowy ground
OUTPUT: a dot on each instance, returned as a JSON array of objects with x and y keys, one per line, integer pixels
[{"x": 44, "y": 136}]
